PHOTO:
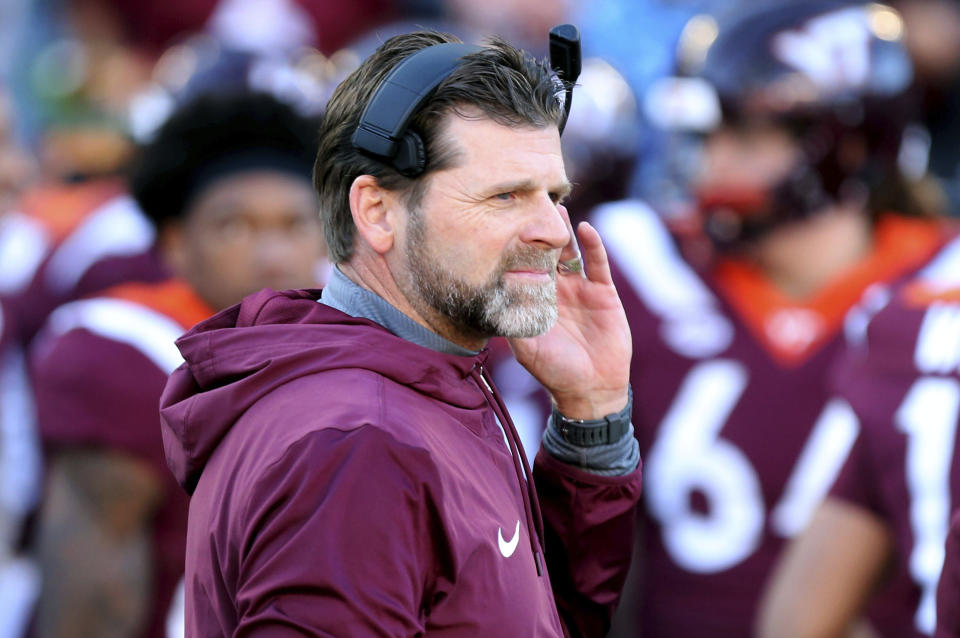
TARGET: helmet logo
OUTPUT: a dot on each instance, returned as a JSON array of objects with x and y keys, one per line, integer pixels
[{"x": 832, "y": 50}]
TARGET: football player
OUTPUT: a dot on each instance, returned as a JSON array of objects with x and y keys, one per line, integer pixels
[
  {"x": 885, "y": 521},
  {"x": 227, "y": 183},
  {"x": 801, "y": 113}
]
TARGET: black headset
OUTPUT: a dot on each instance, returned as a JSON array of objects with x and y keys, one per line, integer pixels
[{"x": 383, "y": 133}]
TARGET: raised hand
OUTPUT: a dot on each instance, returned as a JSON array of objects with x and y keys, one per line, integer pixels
[{"x": 584, "y": 360}]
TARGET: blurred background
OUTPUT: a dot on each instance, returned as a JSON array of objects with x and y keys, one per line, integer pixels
[
  {"x": 84, "y": 83},
  {"x": 84, "y": 79}
]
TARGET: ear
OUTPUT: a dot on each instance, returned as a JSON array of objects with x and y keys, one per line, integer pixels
[
  {"x": 375, "y": 213},
  {"x": 173, "y": 246}
]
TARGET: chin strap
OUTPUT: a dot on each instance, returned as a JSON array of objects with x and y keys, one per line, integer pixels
[{"x": 735, "y": 215}]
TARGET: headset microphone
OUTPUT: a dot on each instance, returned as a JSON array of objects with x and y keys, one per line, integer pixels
[{"x": 565, "y": 61}]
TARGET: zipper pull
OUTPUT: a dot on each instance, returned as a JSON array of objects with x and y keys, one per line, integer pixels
[{"x": 483, "y": 378}]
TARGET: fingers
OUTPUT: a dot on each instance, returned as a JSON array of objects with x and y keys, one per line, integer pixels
[
  {"x": 570, "y": 261},
  {"x": 595, "y": 255},
  {"x": 592, "y": 261}
]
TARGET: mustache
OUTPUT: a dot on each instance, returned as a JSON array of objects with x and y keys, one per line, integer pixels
[{"x": 531, "y": 259}]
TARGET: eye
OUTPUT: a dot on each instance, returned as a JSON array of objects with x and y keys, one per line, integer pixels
[
  {"x": 505, "y": 197},
  {"x": 233, "y": 228},
  {"x": 299, "y": 223}
]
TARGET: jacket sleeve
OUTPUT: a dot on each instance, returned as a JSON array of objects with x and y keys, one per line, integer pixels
[
  {"x": 589, "y": 526},
  {"x": 339, "y": 539}
]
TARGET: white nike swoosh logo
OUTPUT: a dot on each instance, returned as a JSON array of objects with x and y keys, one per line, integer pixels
[{"x": 507, "y": 548}]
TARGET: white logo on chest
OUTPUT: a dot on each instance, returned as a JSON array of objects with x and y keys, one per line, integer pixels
[{"x": 508, "y": 547}]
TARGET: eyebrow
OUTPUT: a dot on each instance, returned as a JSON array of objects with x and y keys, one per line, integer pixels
[{"x": 562, "y": 190}]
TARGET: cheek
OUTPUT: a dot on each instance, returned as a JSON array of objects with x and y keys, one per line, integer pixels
[
  {"x": 481, "y": 262},
  {"x": 470, "y": 244},
  {"x": 309, "y": 246},
  {"x": 296, "y": 256},
  {"x": 723, "y": 163},
  {"x": 219, "y": 264},
  {"x": 745, "y": 169}
]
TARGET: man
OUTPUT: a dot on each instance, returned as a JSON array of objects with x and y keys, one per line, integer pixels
[
  {"x": 800, "y": 206},
  {"x": 226, "y": 180},
  {"x": 884, "y": 524},
  {"x": 352, "y": 468}
]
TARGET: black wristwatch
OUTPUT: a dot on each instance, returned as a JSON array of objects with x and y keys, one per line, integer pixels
[{"x": 592, "y": 432}]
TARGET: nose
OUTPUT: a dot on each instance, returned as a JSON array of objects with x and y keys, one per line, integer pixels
[{"x": 546, "y": 225}]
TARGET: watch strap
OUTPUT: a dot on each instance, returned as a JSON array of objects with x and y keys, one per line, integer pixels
[{"x": 593, "y": 432}]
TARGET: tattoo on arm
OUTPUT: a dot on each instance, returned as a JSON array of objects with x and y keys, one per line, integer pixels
[{"x": 94, "y": 545}]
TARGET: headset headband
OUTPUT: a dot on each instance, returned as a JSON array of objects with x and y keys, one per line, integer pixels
[
  {"x": 383, "y": 133},
  {"x": 385, "y": 119}
]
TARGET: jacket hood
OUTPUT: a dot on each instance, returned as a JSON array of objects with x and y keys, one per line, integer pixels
[{"x": 241, "y": 354}]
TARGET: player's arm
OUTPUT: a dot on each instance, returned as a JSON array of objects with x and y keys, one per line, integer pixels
[
  {"x": 826, "y": 574},
  {"x": 94, "y": 545}
]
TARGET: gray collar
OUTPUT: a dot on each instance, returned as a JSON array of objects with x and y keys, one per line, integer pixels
[{"x": 346, "y": 296}]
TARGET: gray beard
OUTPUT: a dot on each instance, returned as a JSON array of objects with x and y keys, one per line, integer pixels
[{"x": 492, "y": 309}]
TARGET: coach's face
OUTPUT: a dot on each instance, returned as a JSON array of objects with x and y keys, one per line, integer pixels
[{"x": 479, "y": 255}]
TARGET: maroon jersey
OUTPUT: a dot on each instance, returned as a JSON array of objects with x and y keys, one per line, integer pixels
[
  {"x": 733, "y": 412},
  {"x": 99, "y": 368},
  {"x": 900, "y": 376},
  {"x": 63, "y": 241},
  {"x": 67, "y": 241}
]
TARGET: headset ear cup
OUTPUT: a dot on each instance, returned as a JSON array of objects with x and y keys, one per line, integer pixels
[{"x": 411, "y": 158}]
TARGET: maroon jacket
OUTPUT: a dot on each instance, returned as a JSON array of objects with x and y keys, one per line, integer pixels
[{"x": 347, "y": 482}]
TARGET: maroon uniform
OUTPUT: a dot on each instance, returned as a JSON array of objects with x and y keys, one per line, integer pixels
[
  {"x": 67, "y": 241},
  {"x": 733, "y": 412},
  {"x": 901, "y": 378},
  {"x": 64, "y": 241},
  {"x": 99, "y": 369}
]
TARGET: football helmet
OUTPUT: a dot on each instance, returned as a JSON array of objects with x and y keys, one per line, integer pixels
[{"x": 834, "y": 74}]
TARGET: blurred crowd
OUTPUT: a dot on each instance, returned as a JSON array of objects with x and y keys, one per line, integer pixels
[{"x": 155, "y": 168}]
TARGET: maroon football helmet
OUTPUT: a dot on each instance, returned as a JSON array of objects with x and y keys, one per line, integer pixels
[{"x": 835, "y": 74}]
